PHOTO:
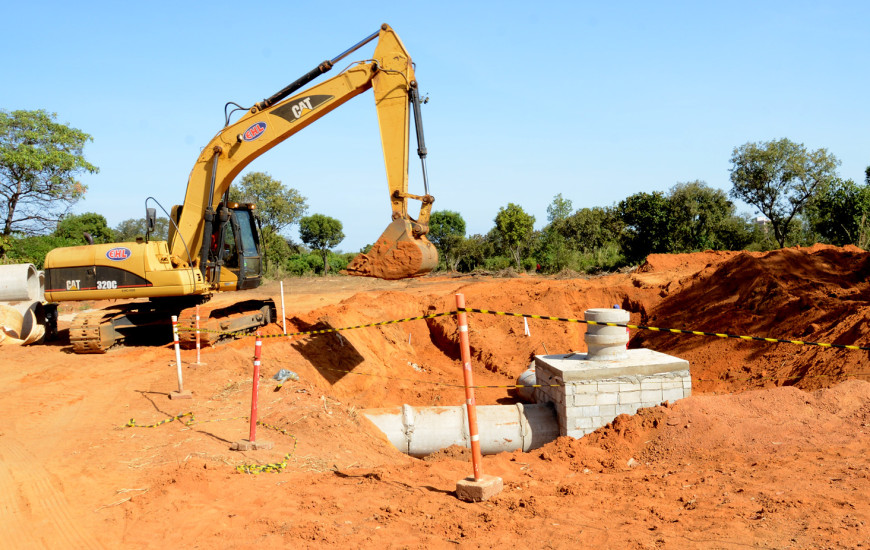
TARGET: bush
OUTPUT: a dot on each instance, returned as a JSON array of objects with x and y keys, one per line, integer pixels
[
  {"x": 497, "y": 263},
  {"x": 605, "y": 258},
  {"x": 34, "y": 249},
  {"x": 304, "y": 264},
  {"x": 337, "y": 262}
]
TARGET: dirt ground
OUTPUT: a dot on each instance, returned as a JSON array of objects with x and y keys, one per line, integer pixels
[{"x": 770, "y": 451}]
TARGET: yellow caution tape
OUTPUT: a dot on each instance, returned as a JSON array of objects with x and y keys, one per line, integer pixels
[
  {"x": 671, "y": 330},
  {"x": 322, "y": 331},
  {"x": 544, "y": 318},
  {"x": 242, "y": 468},
  {"x": 272, "y": 467}
]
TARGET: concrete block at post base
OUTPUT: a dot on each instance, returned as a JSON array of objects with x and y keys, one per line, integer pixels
[
  {"x": 184, "y": 394},
  {"x": 478, "y": 490},
  {"x": 245, "y": 445}
]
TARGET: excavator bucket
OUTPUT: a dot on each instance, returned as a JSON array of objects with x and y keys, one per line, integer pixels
[{"x": 397, "y": 254}]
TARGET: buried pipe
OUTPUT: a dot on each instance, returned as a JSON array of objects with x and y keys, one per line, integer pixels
[{"x": 421, "y": 431}]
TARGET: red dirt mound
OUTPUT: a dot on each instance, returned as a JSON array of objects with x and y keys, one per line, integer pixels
[
  {"x": 766, "y": 466},
  {"x": 818, "y": 295}
]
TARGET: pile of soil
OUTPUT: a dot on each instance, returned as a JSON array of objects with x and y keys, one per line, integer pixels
[{"x": 770, "y": 451}]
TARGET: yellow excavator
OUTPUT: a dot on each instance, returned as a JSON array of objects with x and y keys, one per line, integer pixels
[{"x": 214, "y": 245}]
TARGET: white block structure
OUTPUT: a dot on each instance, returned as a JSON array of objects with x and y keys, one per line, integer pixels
[{"x": 590, "y": 389}]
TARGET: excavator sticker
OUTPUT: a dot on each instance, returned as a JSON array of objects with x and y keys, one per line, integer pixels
[
  {"x": 254, "y": 131},
  {"x": 294, "y": 110},
  {"x": 118, "y": 254}
]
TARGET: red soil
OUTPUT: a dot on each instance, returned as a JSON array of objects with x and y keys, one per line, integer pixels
[{"x": 771, "y": 450}]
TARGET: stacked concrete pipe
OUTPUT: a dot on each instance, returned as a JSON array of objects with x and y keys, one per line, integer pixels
[{"x": 22, "y": 311}]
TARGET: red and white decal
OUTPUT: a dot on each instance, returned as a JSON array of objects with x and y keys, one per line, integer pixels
[
  {"x": 255, "y": 131},
  {"x": 118, "y": 253}
]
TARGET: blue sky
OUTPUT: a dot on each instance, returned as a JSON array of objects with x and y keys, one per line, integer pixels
[{"x": 593, "y": 100}]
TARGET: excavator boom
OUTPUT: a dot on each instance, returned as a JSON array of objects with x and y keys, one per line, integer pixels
[
  {"x": 214, "y": 245},
  {"x": 398, "y": 253}
]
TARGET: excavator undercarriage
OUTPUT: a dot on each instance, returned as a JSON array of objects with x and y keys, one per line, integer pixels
[{"x": 100, "y": 330}]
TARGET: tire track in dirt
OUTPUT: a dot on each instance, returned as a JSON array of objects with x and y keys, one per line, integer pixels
[{"x": 32, "y": 506}]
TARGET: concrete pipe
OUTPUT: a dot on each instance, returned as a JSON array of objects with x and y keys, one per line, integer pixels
[
  {"x": 21, "y": 283},
  {"x": 527, "y": 379},
  {"x": 22, "y": 324},
  {"x": 421, "y": 431},
  {"x": 11, "y": 322}
]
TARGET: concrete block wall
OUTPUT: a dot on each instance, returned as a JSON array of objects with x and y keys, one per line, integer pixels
[{"x": 589, "y": 394}]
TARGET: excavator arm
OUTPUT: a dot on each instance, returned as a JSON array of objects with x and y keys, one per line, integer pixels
[{"x": 402, "y": 250}]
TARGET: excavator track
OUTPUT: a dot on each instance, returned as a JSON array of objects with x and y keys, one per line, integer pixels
[
  {"x": 147, "y": 323},
  {"x": 94, "y": 331},
  {"x": 218, "y": 322}
]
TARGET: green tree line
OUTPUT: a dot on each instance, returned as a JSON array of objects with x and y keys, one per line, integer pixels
[{"x": 798, "y": 192}]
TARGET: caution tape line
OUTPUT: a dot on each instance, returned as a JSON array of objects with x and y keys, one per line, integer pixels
[
  {"x": 775, "y": 378},
  {"x": 671, "y": 330},
  {"x": 544, "y": 318},
  {"x": 132, "y": 423},
  {"x": 242, "y": 468},
  {"x": 274, "y": 467},
  {"x": 322, "y": 331}
]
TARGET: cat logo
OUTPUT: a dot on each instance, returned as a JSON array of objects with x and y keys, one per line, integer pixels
[
  {"x": 74, "y": 285},
  {"x": 298, "y": 108},
  {"x": 295, "y": 109}
]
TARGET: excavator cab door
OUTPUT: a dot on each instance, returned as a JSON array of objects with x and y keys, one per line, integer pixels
[{"x": 243, "y": 251}]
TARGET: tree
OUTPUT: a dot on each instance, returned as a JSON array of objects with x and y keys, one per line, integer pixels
[
  {"x": 552, "y": 250},
  {"x": 34, "y": 248},
  {"x": 778, "y": 178},
  {"x": 39, "y": 162},
  {"x": 589, "y": 229},
  {"x": 559, "y": 210},
  {"x": 473, "y": 252},
  {"x": 839, "y": 213},
  {"x": 515, "y": 228},
  {"x": 279, "y": 206},
  {"x": 446, "y": 231},
  {"x": 697, "y": 214},
  {"x": 321, "y": 233},
  {"x": 278, "y": 251},
  {"x": 131, "y": 229},
  {"x": 95, "y": 225},
  {"x": 646, "y": 217}
]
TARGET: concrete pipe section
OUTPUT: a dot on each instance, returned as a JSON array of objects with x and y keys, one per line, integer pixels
[
  {"x": 421, "y": 431},
  {"x": 20, "y": 283},
  {"x": 22, "y": 313},
  {"x": 606, "y": 343}
]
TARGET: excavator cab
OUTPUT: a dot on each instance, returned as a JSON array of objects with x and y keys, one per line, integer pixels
[{"x": 235, "y": 259}]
